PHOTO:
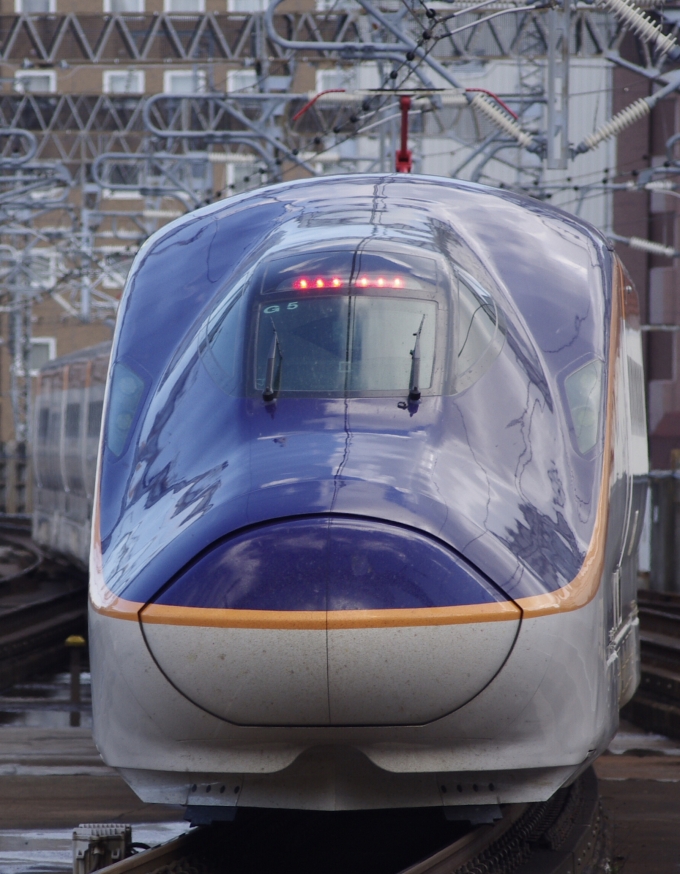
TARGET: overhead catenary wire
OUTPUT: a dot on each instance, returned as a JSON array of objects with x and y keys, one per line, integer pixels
[
  {"x": 495, "y": 115},
  {"x": 401, "y": 61}
]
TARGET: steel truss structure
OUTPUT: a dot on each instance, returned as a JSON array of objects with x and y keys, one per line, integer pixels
[{"x": 238, "y": 38}]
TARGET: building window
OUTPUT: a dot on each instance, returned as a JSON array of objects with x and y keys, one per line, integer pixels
[
  {"x": 35, "y": 81},
  {"x": 336, "y": 79},
  {"x": 41, "y": 267},
  {"x": 241, "y": 80},
  {"x": 247, "y": 5},
  {"x": 43, "y": 349},
  {"x": 184, "y": 7},
  {"x": 243, "y": 176},
  {"x": 123, "y": 81},
  {"x": 35, "y": 7},
  {"x": 123, "y": 7},
  {"x": 184, "y": 81},
  {"x": 346, "y": 5}
]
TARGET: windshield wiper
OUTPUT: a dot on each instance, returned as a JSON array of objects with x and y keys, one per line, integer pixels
[
  {"x": 414, "y": 384},
  {"x": 268, "y": 393}
]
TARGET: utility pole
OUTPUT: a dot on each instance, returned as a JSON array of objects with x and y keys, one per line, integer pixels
[{"x": 557, "y": 133}]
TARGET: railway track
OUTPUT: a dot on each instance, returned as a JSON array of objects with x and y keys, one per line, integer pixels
[
  {"x": 656, "y": 704},
  {"x": 43, "y": 600},
  {"x": 565, "y": 835}
]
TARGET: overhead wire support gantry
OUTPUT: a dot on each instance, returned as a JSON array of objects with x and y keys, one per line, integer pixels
[{"x": 409, "y": 64}]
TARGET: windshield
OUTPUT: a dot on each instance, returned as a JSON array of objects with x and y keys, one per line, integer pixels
[
  {"x": 345, "y": 322},
  {"x": 346, "y": 343},
  {"x": 352, "y": 322}
]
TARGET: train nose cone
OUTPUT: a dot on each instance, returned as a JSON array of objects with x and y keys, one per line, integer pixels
[{"x": 330, "y": 621}]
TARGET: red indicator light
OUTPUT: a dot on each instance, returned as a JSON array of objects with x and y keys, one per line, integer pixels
[{"x": 337, "y": 282}]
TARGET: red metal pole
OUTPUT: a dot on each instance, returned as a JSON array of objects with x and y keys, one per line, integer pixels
[{"x": 404, "y": 157}]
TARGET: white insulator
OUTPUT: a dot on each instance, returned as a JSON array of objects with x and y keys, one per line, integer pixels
[
  {"x": 660, "y": 185},
  {"x": 501, "y": 119},
  {"x": 649, "y": 246},
  {"x": 618, "y": 123},
  {"x": 642, "y": 24}
]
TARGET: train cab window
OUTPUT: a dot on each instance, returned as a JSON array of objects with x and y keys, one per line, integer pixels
[
  {"x": 353, "y": 322},
  {"x": 221, "y": 343},
  {"x": 583, "y": 388},
  {"x": 346, "y": 344},
  {"x": 346, "y": 323},
  {"x": 479, "y": 329},
  {"x": 125, "y": 395}
]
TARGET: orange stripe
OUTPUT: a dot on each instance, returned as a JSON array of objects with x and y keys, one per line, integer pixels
[
  {"x": 102, "y": 598},
  {"x": 576, "y": 594},
  {"x": 497, "y": 612},
  {"x": 162, "y": 614},
  {"x": 583, "y": 588},
  {"x": 213, "y": 617}
]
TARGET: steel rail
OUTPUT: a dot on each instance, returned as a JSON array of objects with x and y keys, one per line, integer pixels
[
  {"x": 40, "y": 606},
  {"x": 656, "y": 704},
  {"x": 566, "y": 833}
]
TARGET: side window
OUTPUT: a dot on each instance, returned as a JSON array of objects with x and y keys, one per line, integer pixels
[
  {"x": 125, "y": 395},
  {"x": 221, "y": 344},
  {"x": 94, "y": 418},
  {"x": 43, "y": 425},
  {"x": 583, "y": 388},
  {"x": 54, "y": 430},
  {"x": 479, "y": 334},
  {"x": 72, "y": 420}
]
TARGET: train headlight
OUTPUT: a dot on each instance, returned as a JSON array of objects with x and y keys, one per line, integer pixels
[
  {"x": 124, "y": 397},
  {"x": 583, "y": 388}
]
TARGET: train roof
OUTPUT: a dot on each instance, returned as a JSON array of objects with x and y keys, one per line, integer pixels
[{"x": 548, "y": 266}]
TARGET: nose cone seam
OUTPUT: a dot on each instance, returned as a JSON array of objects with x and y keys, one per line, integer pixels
[{"x": 330, "y": 621}]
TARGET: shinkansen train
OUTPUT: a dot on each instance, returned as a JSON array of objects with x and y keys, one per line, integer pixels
[
  {"x": 66, "y": 428},
  {"x": 368, "y": 500}
]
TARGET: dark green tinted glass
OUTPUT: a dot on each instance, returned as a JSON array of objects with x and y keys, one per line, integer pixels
[{"x": 126, "y": 392}]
